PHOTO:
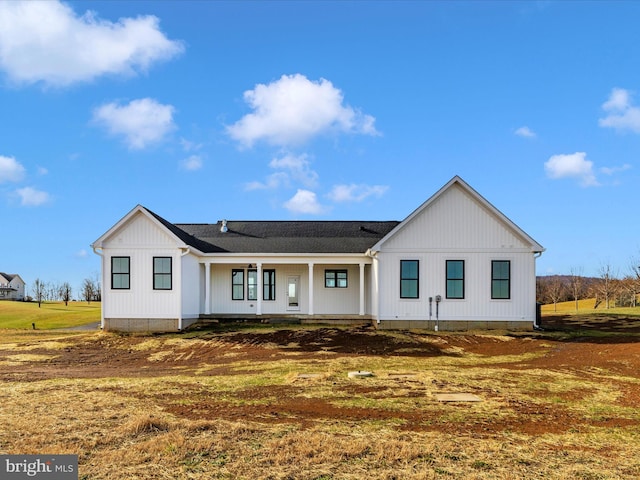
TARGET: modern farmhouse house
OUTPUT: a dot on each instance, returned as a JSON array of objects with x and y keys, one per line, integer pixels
[
  {"x": 455, "y": 263},
  {"x": 11, "y": 286}
]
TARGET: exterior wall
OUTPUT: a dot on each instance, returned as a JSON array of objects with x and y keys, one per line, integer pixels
[
  {"x": 191, "y": 291},
  {"x": 326, "y": 301},
  {"x": 15, "y": 290},
  {"x": 456, "y": 227},
  {"x": 141, "y": 241}
]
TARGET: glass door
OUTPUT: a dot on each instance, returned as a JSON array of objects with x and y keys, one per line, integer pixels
[{"x": 293, "y": 292}]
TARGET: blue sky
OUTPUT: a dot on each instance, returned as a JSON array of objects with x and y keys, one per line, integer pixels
[{"x": 316, "y": 110}]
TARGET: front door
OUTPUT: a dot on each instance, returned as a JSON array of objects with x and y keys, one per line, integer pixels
[{"x": 293, "y": 292}]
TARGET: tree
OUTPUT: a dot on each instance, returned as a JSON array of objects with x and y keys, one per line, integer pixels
[
  {"x": 553, "y": 289},
  {"x": 89, "y": 290},
  {"x": 64, "y": 292},
  {"x": 605, "y": 288},
  {"x": 39, "y": 288},
  {"x": 576, "y": 285}
]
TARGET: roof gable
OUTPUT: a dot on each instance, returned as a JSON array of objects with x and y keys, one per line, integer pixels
[{"x": 457, "y": 216}]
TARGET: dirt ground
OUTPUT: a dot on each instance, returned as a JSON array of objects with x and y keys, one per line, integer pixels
[{"x": 99, "y": 355}]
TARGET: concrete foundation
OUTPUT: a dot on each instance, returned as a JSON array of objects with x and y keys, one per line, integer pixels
[
  {"x": 454, "y": 325},
  {"x": 145, "y": 324}
]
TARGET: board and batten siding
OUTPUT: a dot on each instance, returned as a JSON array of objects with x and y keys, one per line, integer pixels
[
  {"x": 141, "y": 241},
  {"x": 455, "y": 226},
  {"x": 326, "y": 301}
]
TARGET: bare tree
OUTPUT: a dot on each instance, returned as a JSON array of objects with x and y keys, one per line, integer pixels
[
  {"x": 64, "y": 292},
  {"x": 554, "y": 290},
  {"x": 634, "y": 266},
  {"x": 605, "y": 288},
  {"x": 576, "y": 285},
  {"x": 88, "y": 290},
  {"x": 39, "y": 288}
]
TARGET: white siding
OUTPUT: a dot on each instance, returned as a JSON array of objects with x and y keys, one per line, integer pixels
[
  {"x": 456, "y": 227},
  {"x": 191, "y": 286},
  {"x": 141, "y": 240}
]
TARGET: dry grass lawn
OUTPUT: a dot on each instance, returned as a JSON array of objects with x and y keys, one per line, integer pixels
[{"x": 277, "y": 404}]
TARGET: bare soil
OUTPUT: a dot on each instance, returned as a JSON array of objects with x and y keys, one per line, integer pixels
[{"x": 215, "y": 353}]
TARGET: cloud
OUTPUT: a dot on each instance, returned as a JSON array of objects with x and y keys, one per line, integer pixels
[
  {"x": 10, "y": 170},
  {"x": 191, "y": 163},
  {"x": 141, "y": 122},
  {"x": 46, "y": 41},
  {"x": 304, "y": 201},
  {"x": 293, "y": 168},
  {"x": 573, "y": 165},
  {"x": 292, "y": 110},
  {"x": 356, "y": 193},
  {"x": 30, "y": 197},
  {"x": 525, "y": 132},
  {"x": 622, "y": 115},
  {"x": 614, "y": 170},
  {"x": 82, "y": 253}
]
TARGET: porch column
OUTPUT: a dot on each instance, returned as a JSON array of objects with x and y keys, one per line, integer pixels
[
  {"x": 259, "y": 288},
  {"x": 361, "y": 312},
  {"x": 207, "y": 288},
  {"x": 310, "y": 288}
]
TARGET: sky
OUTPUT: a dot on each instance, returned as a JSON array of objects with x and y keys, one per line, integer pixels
[{"x": 261, "y": 110}]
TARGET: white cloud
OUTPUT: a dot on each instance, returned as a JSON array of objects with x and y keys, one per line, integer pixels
[
  {"x": 525, "y": 132},
  {"x": 614, "y": 170},
  {"x": 10, "y": 170},
  {"x": 573, "y": 165},
  {"x": 294, "y": 109},
  {"x": 141, "y": 122},
  {"x": 30, "y": 197},
  {"x": 356, "y": 193},
  {"x": 192, "y": 163},
  {"x": 46, "y": 41},
  {"x": 275, "y": 180},
  {"x": 622, "y": 115},
  {"x": 298, "y": 168},
  {"x": 304, "y": 201}
]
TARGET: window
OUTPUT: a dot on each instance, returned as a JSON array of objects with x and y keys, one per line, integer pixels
[
  {"x": 335, "y": 279},
  {"x": 252, "y": 285},
  {"x": 455, "y": 278},
  {"x": 237, "y": 284},
  {"x": 162, "y": 273},
  {"x": 120, "y": 273},
  {"x": 500, "y": 279},
  {"x": 409, "y": 278},
  {"x": 268, "y": 284}
]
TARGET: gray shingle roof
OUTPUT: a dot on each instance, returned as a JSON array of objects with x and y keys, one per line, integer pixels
[{"x": 289, "y": 236}]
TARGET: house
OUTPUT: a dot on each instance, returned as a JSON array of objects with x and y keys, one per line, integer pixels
[
  {"x": 455, "y": 263},
  {"x": 11, "y": 286}
]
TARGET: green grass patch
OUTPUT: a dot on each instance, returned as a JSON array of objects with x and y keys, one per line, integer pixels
[{"x": 22, "y": 315}]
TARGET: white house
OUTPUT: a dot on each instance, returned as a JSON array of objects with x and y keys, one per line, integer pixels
[
  {"x": 455, "y": 263},
  {"x": 11, "y": 286}
]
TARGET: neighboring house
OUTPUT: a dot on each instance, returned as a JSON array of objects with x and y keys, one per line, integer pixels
[
  {"x": 455, "y": 263},
  {"x": 11, "y": 287}
]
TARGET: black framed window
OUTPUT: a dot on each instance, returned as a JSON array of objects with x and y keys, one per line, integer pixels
[
  {"x": 455, "y": 278},
  {"x": 237, "y": 284},
  {"x": 252, "y": 285},
  {"x": 268, "y": 284},
  {"x": 162, "y": 273},
  {"x": 409, "y": 278},
  {"x": 500, "y": 279},
  {"x": 335, "y": 279},
  {"x": 120, "y": 273}
]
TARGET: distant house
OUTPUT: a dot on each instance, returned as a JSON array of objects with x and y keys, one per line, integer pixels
[
  {"x": 455, "y": 263},
  {"x": 11, "y": 286}
]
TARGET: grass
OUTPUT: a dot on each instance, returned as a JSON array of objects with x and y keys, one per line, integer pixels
[
  {"x": 586, "y": 307},
  {"x": 50, "y": 315},
  {"x": 131, "y": 427}
]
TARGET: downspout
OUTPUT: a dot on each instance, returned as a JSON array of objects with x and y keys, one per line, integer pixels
[
  {"x": 101, "y": 255},
  {"x": 186, "y": 251}
]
